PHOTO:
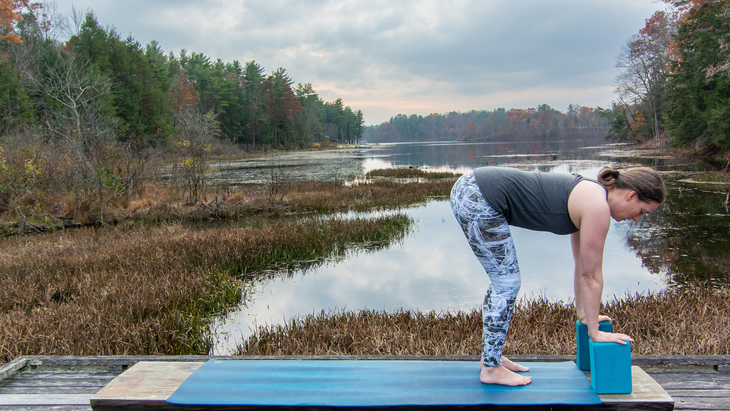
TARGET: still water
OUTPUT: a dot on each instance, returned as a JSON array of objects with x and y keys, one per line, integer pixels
[{"x": 433, "y": 268}]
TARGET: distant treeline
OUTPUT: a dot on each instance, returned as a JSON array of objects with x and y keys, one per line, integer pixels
[
  {"x": 99, "y": 84},
  {"x": 501, "y": 124}
]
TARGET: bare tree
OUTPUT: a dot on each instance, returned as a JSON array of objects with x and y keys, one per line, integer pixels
[
  {"x": 645, "y": 61},
  {"x": 195, "y": 137},
  {"x": 79, "y": 92}
]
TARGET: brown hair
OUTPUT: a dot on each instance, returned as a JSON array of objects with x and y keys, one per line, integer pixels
[{"x": 644, "y": 181}]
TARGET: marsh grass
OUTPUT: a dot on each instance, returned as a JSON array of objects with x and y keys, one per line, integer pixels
[
  {"x": 378, "y": 194},
  {"x": 684, "y": 321},
  {"x": 157, "y": 203},
  {"x": 140, "y": 289}
]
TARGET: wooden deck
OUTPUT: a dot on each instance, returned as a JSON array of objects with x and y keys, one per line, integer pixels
[{"x": 67, "y": 383}]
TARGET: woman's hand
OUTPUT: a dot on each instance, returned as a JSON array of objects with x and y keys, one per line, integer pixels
[{"x": 612, "y": 338}]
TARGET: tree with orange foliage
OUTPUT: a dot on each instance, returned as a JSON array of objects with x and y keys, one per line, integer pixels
[
  {"x": 645, "y": 63},
  {"x": 183, "y": 94},
  {"x": 9, "y": 14}
]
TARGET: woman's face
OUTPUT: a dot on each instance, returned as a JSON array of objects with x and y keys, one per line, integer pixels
[{"x": 629, "y": 207}]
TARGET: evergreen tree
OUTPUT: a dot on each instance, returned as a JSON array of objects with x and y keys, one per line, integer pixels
[
  {"x": 699, "y": 97},
  {"x": 16, "y": 109}
]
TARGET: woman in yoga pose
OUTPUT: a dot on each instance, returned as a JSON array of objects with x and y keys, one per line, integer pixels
[{"x": 488, "y": 200}]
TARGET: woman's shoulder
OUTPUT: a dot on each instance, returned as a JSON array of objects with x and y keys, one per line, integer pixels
[
  {"x": 590, "y": 190},
  {"x": 588, "y": 199}
]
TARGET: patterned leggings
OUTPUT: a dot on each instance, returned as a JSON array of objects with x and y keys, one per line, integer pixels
[{"x": 489, "y": 237}]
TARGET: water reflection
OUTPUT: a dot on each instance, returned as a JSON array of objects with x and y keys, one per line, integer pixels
[{"x": 688, "y": 238}]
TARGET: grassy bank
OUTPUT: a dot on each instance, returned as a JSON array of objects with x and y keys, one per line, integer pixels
[
  {"x": 157, "y": 203},
  {"x": 137, "y": 289},
  {"x": 684, "y": 321}
]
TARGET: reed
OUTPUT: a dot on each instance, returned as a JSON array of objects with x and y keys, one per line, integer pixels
[
  {"x": 142, "y": 289},
  {"x": 683, "y": 321}
]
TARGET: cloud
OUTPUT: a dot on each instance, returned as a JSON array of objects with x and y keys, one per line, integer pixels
[{"x": 388, "y": 57}]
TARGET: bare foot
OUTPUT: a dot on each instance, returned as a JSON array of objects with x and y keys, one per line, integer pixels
[
  {"x": 502, "y": 376},
  {"x": 512, "y": 366}
]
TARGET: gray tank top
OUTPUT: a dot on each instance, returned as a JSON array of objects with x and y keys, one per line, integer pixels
[{"x": 529, "y": 199}]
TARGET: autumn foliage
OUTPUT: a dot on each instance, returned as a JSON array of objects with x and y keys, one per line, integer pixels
[{"x": 9, "y": 14}]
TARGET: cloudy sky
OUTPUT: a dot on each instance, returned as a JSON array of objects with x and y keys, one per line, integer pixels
[{"x": 386, "y": 57}]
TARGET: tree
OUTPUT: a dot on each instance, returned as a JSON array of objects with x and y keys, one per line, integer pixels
[
  {"x": 281, "y": 105},
  {"x": 645, "y": 60},
  {"x": 140, "y": 81},
  {"x": 253, "y": 100},
  {"x": 77, "y": 91},
  {"x": 16, "y": 109},
  {"x": 312, "y": 111},
  {"x": 699, "y": 94},
  {"x": 10, "y": 12}
]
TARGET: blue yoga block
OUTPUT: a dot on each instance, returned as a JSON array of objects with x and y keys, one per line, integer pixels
[
  {"x": 610, "y": 367},
  {"x": 583, "y": 358}
]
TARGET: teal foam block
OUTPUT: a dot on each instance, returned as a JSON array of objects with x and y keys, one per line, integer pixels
[
  {"x": 283, "y": 384},
  {"x": 611, "y": 367},
  {"x": 583, "y": 358}
]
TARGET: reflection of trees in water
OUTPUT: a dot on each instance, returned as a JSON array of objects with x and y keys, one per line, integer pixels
[
  {"x": 288, "y": 271},
  {"x": 687, "y": 237}
]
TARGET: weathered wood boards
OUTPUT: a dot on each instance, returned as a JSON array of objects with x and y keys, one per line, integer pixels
[
  {"x": 147, "y": 385},
  {"x": 31, "y": 400}
]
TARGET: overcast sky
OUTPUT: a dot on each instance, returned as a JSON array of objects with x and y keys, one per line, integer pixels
[{"x": 388, "y": 57}]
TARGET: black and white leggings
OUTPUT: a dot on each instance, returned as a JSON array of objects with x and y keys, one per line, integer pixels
[{"x": 489, "y": 237}]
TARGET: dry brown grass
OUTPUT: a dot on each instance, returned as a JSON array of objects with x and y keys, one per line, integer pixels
[
  {"x": 689, "y": 320},
  {"x": 163, "y": 204},
  {"x": 139, "y": 289},
  {"x": 379, "y": 194}
]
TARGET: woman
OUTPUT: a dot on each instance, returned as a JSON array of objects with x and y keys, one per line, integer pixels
[{"x": 488, "y": 200}]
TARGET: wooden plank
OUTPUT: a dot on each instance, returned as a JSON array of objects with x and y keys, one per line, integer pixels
[
  {"x": 146, "y": 384},
  {"x": 31, "y": 382},
  {"x": 692, "y": 381},
  {"x": 718, "y": 393},
  {"x": 51, "y": 390},
  {"x": 47, "y": 408},
  {"x": 9, "y": 369},
  {"x": 44, "y": 399},
  {"x": 701, "y": 403},
  {"x": 42, "y": 374}
]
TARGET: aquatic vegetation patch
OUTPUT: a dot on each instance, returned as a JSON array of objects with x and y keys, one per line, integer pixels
[
  {"x": 148, "y": 289},
  {"x": 691, "y": 320}
]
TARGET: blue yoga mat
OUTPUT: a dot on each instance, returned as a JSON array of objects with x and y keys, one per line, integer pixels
[{"x": 364, "y": 383}]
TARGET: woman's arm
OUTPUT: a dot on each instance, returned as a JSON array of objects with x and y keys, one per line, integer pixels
[{"x": 590, "y": 212}]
